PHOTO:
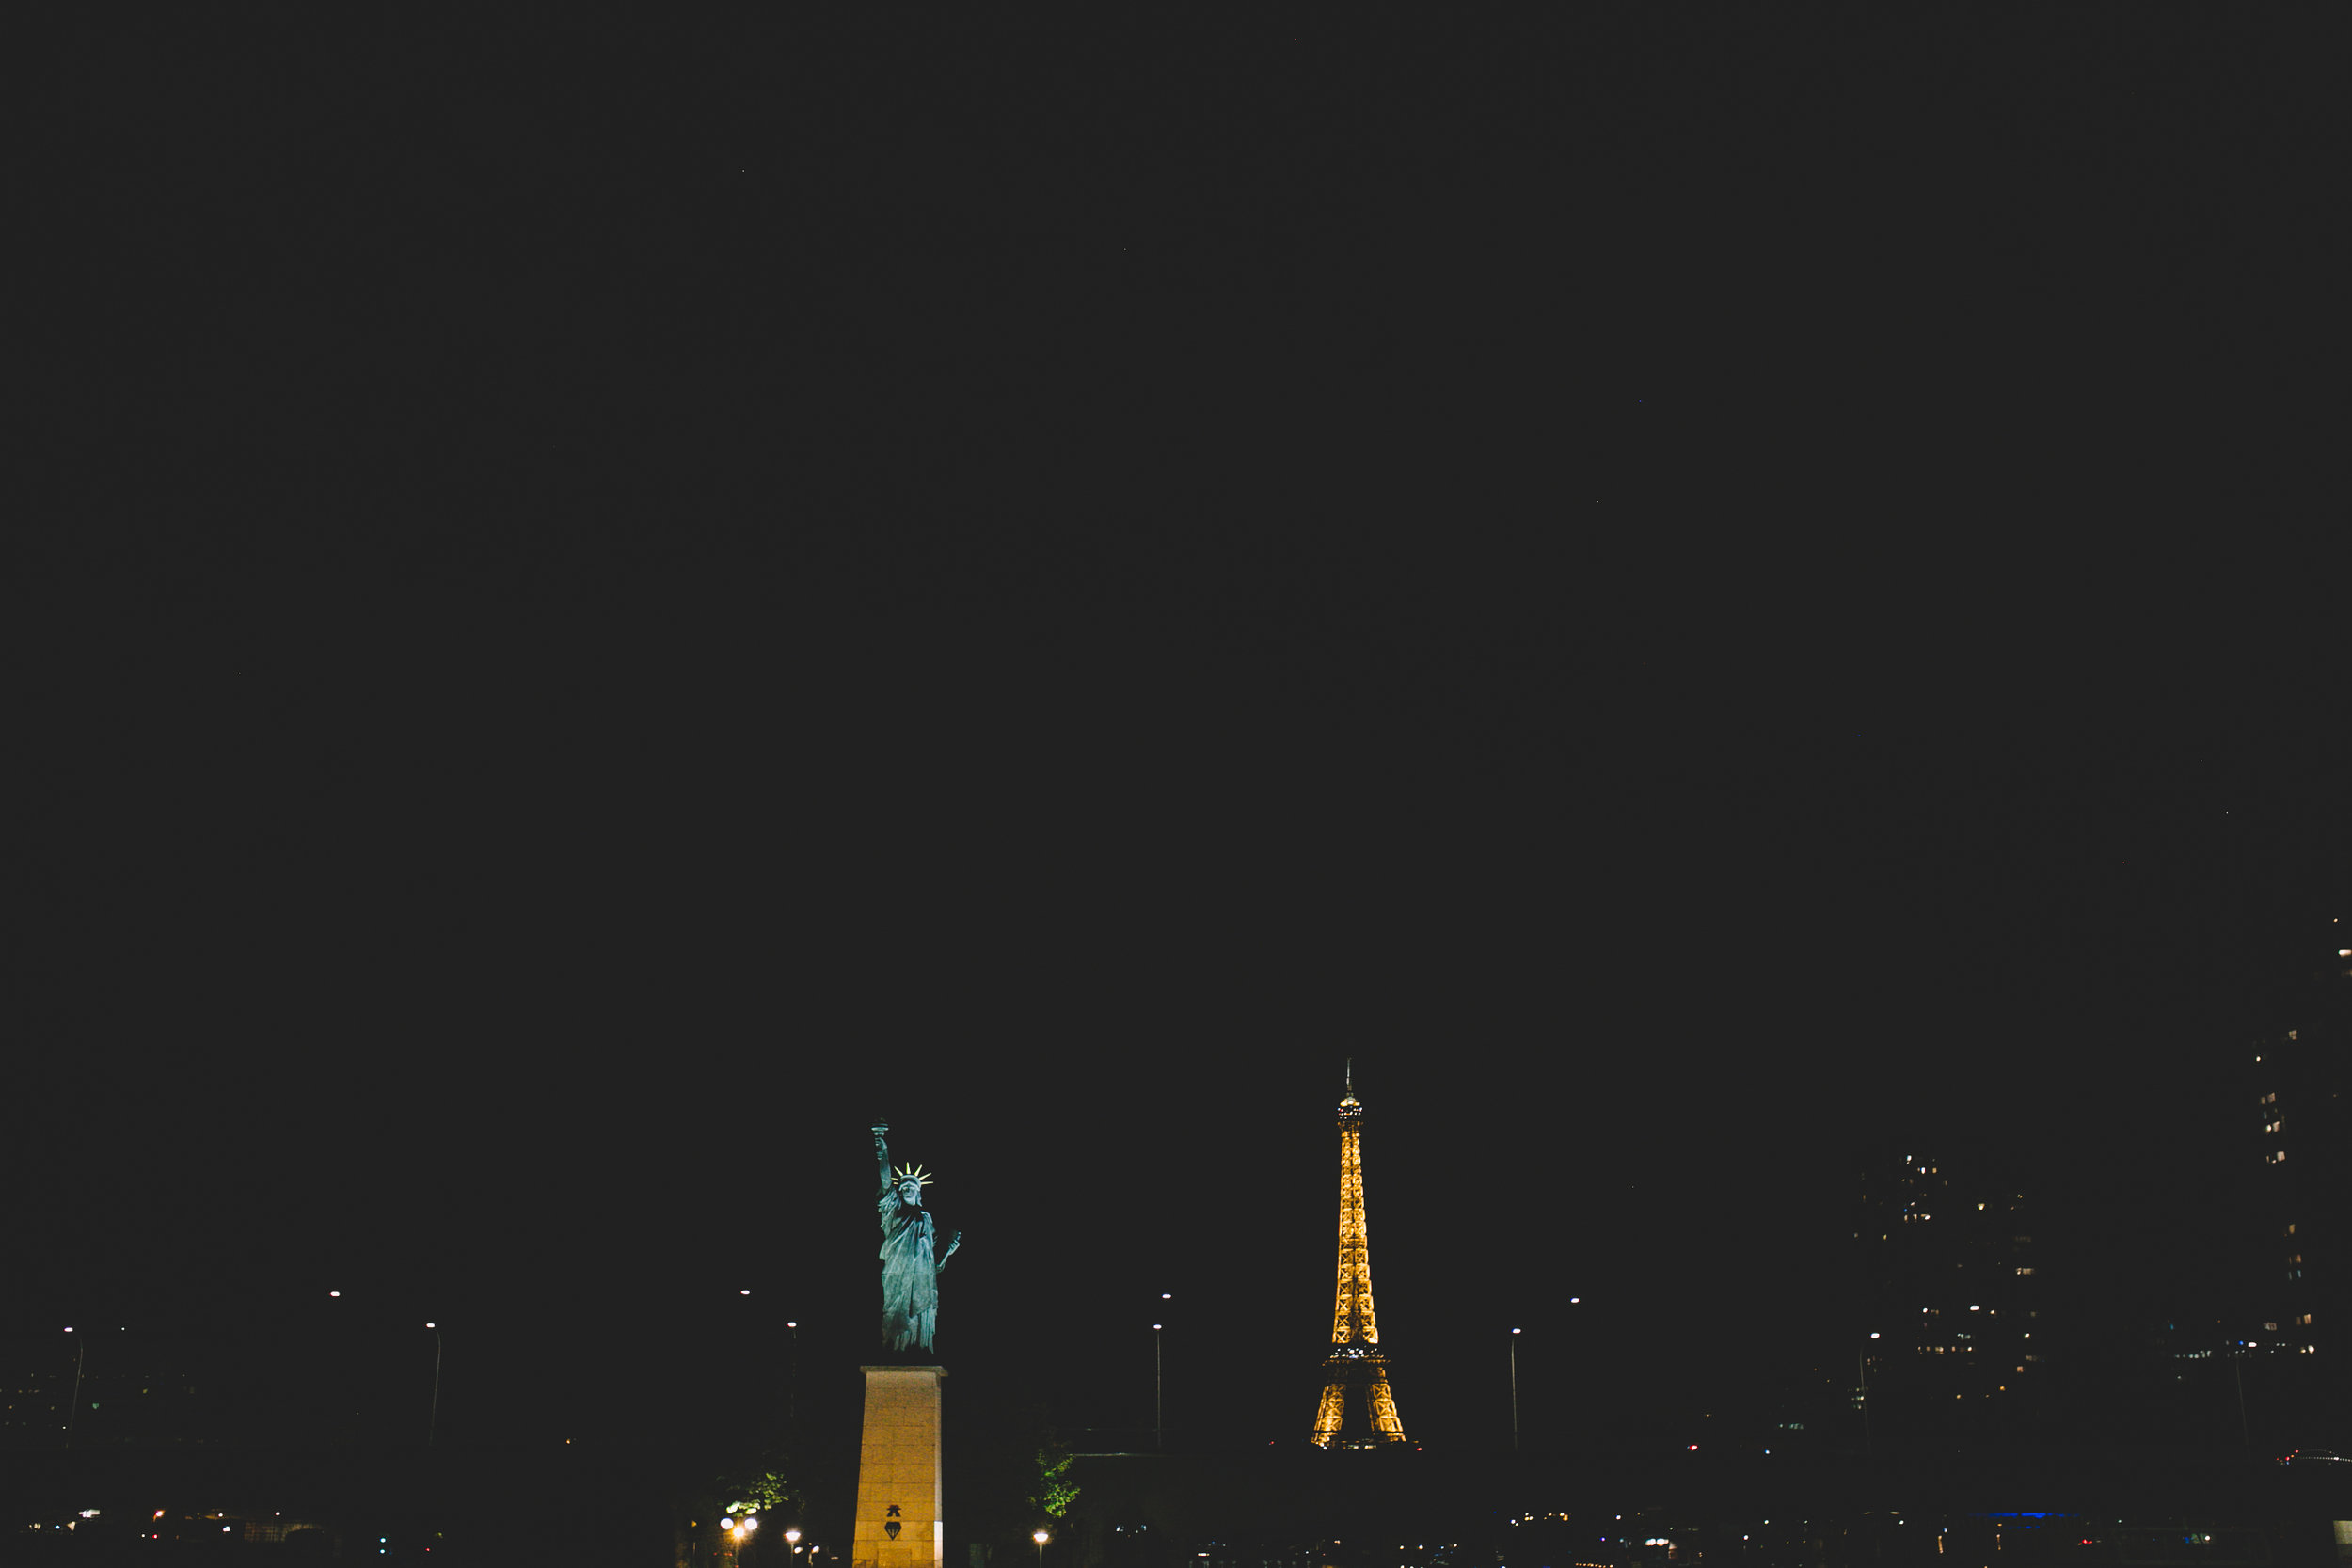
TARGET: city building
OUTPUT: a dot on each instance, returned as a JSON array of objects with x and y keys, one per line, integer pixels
[
  {"x": 2292, "y": 1124},
  {"x": 1955, "y": 1336}
]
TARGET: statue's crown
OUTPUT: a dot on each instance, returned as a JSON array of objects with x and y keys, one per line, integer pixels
[{"x": 911, "y": 1172}]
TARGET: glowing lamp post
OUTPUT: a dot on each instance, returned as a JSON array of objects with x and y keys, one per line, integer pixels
[
  {"x": 433, "y": 1421},
  {"x": 1862, "y": 1389},
  {"x": 1159, "y": 1426},
  {"x": 1040, "y": 1538},
  {"x": 1515, "y": 1391}
]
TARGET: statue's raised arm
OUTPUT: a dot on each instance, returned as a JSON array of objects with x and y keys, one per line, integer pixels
[{"x": 881, "y": 1153}]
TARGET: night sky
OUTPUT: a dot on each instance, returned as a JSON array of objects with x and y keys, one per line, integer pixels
[{"x": 1692, "y": 590}]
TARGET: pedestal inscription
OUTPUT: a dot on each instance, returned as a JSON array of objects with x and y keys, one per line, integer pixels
[{"x": 899, "y": 1522}]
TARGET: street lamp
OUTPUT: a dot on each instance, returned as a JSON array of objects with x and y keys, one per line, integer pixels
[
  {"x": 432, "y": 1422},
  {"x": 1515, "y": 1391},
  {"x": 1040, "y": 1538},
  {"x": 1862, "y": 1391},
  {"x": 792, "y": 1538},
  {"x": 74, "y": 1403},
  {"x": 1159, "y": 1424}
]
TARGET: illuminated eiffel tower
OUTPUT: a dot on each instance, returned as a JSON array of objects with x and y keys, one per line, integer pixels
[{"x": 1357, "y": 1411}]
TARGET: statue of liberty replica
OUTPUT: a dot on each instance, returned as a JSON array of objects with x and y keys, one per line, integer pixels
[{"x": 909, "y": 1260}]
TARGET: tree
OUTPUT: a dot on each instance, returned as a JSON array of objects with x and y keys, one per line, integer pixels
[
  {"x": 767, "y": 1484},
  {"x": 1054, "y": 1495}
]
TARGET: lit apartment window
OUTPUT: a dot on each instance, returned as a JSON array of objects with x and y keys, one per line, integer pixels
[{"x": 2025, "y": 1271}]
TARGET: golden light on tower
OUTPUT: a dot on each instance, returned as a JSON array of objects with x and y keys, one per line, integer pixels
[{"x": 1357, "y": 1411}]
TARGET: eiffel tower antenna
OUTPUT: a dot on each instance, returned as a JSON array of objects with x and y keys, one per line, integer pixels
[{"x": 1357, "y": 1411}]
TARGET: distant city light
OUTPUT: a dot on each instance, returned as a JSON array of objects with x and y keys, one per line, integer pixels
[
  {"x": 742, "y": 1293},
  {"x": 334, "y": 1293}
]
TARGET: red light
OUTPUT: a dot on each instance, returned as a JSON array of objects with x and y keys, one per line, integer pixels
[{"x": 1694, "y": 1447}]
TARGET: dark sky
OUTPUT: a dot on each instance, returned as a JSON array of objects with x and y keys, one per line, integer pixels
[{"x": 618, "y": 605}]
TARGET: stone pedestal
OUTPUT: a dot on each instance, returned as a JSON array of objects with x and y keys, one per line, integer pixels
[{"x": 898, "y": 1471}]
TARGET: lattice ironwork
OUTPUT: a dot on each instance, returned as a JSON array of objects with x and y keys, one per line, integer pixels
[{"x": 1357, "y": 1410}]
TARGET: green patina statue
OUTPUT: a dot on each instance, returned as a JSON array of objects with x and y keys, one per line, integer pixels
[{"x": 910, "y": 1261}]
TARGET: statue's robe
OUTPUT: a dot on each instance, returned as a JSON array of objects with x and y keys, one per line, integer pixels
[{"x": 909, "y": 1277}]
